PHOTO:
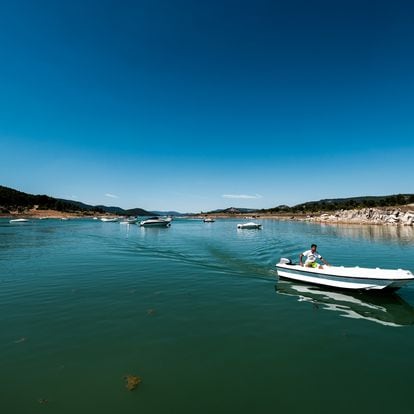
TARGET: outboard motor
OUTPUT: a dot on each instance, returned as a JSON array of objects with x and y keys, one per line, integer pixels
[{"x": 284, "y": 260}]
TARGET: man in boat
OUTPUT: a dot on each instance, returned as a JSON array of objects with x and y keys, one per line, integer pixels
[{"x": 311, "y": 256}]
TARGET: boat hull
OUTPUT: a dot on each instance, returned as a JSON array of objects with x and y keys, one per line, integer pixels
[
  {"x": 327, "y": 277},
  {"x": 129, "y": 221},
  {"x": 155, "y": 224},
  {"x": 249, "y": 226}
]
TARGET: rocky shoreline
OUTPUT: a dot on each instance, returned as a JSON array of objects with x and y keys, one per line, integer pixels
[
  {"x": 375, "y": 216},
  {"x": 388, "y": 216}
]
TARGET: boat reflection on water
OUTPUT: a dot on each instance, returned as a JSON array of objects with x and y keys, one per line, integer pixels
[{"x": 389, "y": 309}]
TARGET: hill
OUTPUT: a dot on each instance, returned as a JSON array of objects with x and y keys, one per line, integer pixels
[
  {"x": 331, "y": 204},
  {"x": 232, "y": 210},
  {"x": 112, "y": 209},
  {"x": 11, "y": 199},
  {"x": 139, "y": 212},
  {"x": 166, "y": 213},
  {"x": 14, "y": 200}
]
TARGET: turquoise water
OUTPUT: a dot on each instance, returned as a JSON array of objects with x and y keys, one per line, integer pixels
[{"x": 197, "y": 312}]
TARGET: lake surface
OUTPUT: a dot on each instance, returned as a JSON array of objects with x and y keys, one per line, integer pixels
[{"x": 197, "y": 312}]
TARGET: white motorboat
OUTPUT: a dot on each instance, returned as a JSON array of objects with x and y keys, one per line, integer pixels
[
  {"x": 156, "y": 222},
  {"x": 21, "y": 220},
  {"x": 130, "y": 220},
  {"x": 209, "y": 220},
  {"x": 109, "y": 219},
  {"x": 249, "y": 226},
  {"x": 345, "y": 277}
]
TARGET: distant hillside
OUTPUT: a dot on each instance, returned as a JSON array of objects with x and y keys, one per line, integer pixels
[
  {"x": 12, "y": 200},
  {"x": 139, "y": 212},
  {"x": 112, "y": 209},
  {"x": 232, "y": 210},
  {"x": 332, "y": 204},
  {"x": 166, "y": 213},
  {"x": 99, "y": 208}
]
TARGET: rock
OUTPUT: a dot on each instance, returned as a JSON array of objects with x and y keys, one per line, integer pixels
[
  {"x": 132, "y": 382},
  {"x": 389, "y": 216}
]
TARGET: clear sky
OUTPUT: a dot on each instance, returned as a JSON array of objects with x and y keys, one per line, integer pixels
[{"x": 197, "y": 105}]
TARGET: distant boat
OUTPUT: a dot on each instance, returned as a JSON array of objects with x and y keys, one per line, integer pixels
[
  {"x": 345, "y": 277},
  {"x": 249, "y": 226},
  {"x": 64, "y": 218},
  {"x": 109, "y": 219},
  {"x": 131, "y": 220},
  {"x": 95, "y": 218},
  {"x": 156, "y": 222},
  {"x": 209, "y": 220},
  {"x": 21, "y": 220}
]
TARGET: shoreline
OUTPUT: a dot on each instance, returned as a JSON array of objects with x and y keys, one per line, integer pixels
[
  {"x": 47, "y": 214},
  {"x": 387, "y": 216}
]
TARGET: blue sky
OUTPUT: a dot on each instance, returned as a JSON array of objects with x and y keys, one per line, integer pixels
[{"x": 197, "y": 105}]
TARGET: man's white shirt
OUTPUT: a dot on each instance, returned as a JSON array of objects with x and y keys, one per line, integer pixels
[{"x": 310, "y": 256}]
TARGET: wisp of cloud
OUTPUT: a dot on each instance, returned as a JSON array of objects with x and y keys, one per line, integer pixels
[
  {"x": 111, "y": 195},
  {"x": 242, "y": 196}
]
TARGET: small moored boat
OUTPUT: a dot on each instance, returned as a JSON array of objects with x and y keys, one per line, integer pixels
[
  {"x": 156, "y": 222},
  {"x": 249, "y": 226},
  {"x": 209, "y": 220},
  {"x": 109, "y": 219},
  {"x": 21, "y": 220},
  {"x": 345, "y": 277},
  {"x": 130, "y": 220}
]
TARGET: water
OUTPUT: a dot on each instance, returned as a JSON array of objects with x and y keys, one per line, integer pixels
[{"x": 196, "y": 311}]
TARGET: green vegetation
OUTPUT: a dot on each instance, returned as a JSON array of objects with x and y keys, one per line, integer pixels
[
  {"x": 12, "y": 200},
  {"x": 344, "y": 204}
]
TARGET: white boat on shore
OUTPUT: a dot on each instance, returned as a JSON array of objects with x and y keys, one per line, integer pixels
[
  {"x": 156, "y": 222},
  {"x": 345, "y": 277},
  {"x": 249, "y": 226},
  {"x": 109, "y": 219},
  {"x": 20, "y": 220}
]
